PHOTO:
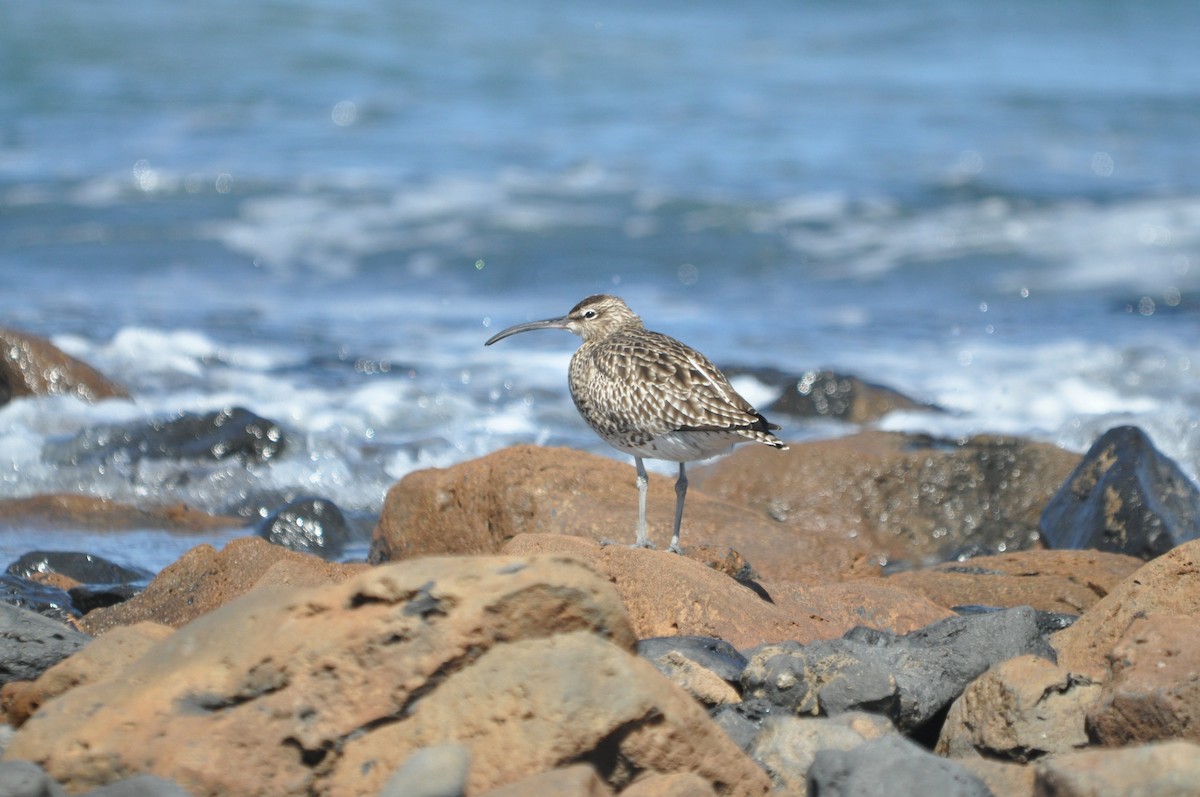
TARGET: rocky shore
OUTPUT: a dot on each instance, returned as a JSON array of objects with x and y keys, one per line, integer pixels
[{"x": 876, "y": 614}]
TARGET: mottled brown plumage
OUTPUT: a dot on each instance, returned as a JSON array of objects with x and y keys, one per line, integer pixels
[{"x": 649, "y": 395}]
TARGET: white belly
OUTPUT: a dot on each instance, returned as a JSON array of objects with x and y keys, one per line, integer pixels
[{"x": 682, "y": 446}]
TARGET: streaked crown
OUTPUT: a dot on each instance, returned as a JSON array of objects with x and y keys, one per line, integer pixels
[{"x": 599, "y": 316}]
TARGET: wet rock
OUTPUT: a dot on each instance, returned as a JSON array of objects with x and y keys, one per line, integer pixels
[
  {"x": 55, "y": 511},
  {"x": 26, "y": 779},
  {"x": 787, "y": 745},
  {"x": 708, "y": 669},
  {"x": 827, "y": 394},
  {"x": 86, "y": 598},
  {"x": 1167, "y": 585},
  {"x": 30, "y": 643},
  {"x": 1125, "y": 496},
  {"x": 203, "y": 579},
  {"x": 1154, "y": 691},
  {"x": 1054, "y": 581},
  {"x": 477, "y": 506},
  {"x": 213, "y": 436},
  {"x": 526, "y": 661},
  {"x": 33, "y": 366},
  {"x": 909, "y": 678},
  {"x": 308, "y": 525},
  {"x": 103, "y": 657},
  {"x": 1020, "y": 710},
  {"x": 888, "y": 766},
  {"x": 913, "y": 498},
  {"x": 1165, "y": 769},
  {"x": 84, "y": 568},
  {"x": 667, "y": 594},
  {"x": 51, "y": 602}
]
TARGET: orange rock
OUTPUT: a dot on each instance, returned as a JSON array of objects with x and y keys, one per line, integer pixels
[
  {"x": 1053, "y": 581},
  {"x": 527, "y": 662},
  {"x": 62, "y": 510},
  {"x": 577, "y": 780},
  {"x": 33, "y": 366},
  {"x": 1019, "y": 710},
  {"x": 477, "y": 506},
  {"x": 1154, "y": 693},
  {"x": 1168, "y": 585},
  {"x": 669, "y": 595},
  {"x": 911, "y": 497},
  {"x": 102, "y": 658},
  {"x": 204, "y": 578},
  {"x": 870, "y": 602},
  {"x": 530, "y": 705},
  {"x": 1164, "y": 769}
]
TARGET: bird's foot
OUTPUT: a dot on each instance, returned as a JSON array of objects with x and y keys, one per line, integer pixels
[
  {"x": 605, "y": 542},
  {"x": 674, "y": 548},
  {"x": 643, "y": 544}
]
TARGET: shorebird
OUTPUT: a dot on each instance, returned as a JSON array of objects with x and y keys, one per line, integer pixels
[{"x": 650, "y": 396}]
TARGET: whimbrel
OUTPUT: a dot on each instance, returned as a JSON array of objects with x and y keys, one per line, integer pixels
[{"x": 649, "y": 395}]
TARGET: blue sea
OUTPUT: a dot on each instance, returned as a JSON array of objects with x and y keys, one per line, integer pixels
[{"x": 319, "y": 211}]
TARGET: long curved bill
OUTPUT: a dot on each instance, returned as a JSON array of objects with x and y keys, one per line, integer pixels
[{"x": 549, "y": 323}]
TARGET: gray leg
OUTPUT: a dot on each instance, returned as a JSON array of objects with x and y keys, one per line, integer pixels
[
  {"x": 680, "y": 494},
  {"x": 643, "y": 483}
]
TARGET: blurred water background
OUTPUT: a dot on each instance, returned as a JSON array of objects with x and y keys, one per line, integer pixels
[{"x": 319, "y": 211}]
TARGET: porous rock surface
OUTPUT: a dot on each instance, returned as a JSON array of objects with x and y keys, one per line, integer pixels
[{"x": 327, "y": 690}]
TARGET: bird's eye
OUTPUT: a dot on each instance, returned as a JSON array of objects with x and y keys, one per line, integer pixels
[{"x": 589, "y": 313}]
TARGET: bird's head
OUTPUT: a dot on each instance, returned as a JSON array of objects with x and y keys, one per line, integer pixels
[{"x": 593, "y": 318}]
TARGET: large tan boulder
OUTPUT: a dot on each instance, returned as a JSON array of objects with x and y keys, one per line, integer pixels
[
  {"x": 530, "y": 705},
  {"x": 205, "y": 578},
  {"x": 1165, "y": 769},
  {"x": 33, "y": 366},
  {"x": 476, "y": 506},
  {"x": 1053, "y": 581},
  {"x": 1019, "y": 710},
  {"x": 1154, "y": 692},
  {"x": 102, "y": 658},
  {"x": 326, "y": 690},
  {"x": 1167, "y": 585},
  {"x": 671, "y": 595},
  {"x": 912, "y": 497}
]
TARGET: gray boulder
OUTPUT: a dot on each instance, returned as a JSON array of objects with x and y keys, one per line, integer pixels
[
  {"x": 910, "y": 678},
  {"x": 886, "y": 767}
]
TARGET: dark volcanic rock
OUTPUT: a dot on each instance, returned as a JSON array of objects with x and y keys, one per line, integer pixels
[
  {"x": 889, "y": 766},
  {"x": 910, "y": 678},
  {"x": 308, "y": 525},
  {"x": 31, "y": 643},
  {"x": 826, "y": 394},
  {"x": 1125, "y": 496},
  {"x": 711, "y": 653},
  {"x": 85, "y": 568},
  {"x": 233, "y": 431},
  {"x": 44, "y": 599}
]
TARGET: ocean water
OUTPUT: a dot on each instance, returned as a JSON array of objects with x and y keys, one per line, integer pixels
[{"x": 320, "y": 210}]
